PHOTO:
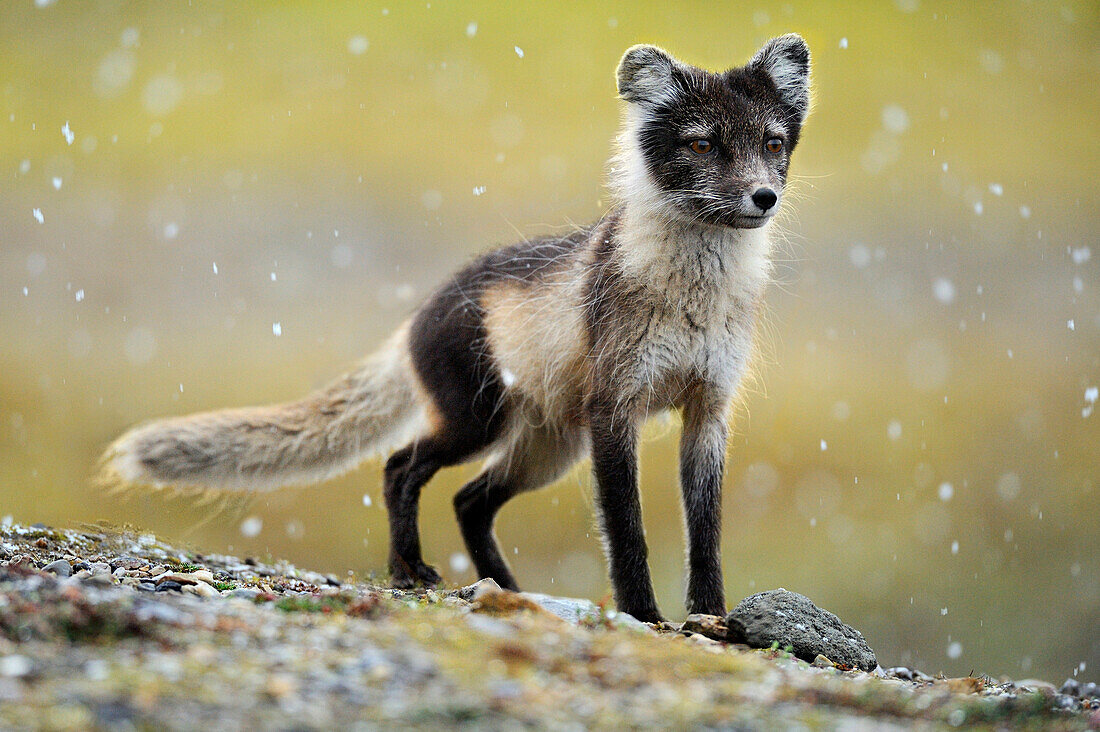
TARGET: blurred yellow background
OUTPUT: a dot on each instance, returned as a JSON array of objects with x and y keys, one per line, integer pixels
[{"x": 212, "y": 204}]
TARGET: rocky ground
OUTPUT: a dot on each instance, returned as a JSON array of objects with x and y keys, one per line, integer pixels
[{"x": 102, "y": 628}]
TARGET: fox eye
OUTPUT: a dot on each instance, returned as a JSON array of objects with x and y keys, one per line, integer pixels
[
  {"x": 774, "y": 145},
  {"x": 701, "y": 147}
]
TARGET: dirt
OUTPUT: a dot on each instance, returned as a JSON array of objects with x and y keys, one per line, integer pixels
[{"x": 144, "y": 635}]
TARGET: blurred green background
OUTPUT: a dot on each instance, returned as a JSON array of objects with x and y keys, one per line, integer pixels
[{"x": 238, "y": 200}]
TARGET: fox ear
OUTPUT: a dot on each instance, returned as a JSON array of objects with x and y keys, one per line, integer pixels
[
  {"x": 786, "y": 61},
  {"x": 645, "y": 75}
]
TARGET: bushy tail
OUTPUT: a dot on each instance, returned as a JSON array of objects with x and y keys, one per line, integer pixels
[{"x": 260, "y": 448}]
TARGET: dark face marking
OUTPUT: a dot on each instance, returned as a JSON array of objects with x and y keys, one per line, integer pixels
[
  {"x": 713, "y": 144},
  {"x": 719, "y": 145}
]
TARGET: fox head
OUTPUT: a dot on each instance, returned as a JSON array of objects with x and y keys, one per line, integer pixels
[{"x": 712, "y": 147}]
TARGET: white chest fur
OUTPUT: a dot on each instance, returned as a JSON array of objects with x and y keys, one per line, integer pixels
[{"x": 704, "y": 284}]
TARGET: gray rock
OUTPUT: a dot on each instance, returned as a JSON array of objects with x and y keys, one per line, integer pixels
[
  {"x": 169, "y": 586},
  {"x": 101, "y": 568},
  {"x": 790, "y": 619},
  {"x": 61, "y": 568},
  {"x": 1069, "y": 686}
]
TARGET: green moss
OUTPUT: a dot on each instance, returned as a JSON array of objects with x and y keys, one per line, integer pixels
[
  {"x": 314, "y": 604},
  {"x": 223, "y": 586}
]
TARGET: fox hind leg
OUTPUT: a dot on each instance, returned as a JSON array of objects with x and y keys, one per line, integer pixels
[
  {"x": 476, "y": 506},
  {"x": 533, "y": 457},
  {"x": 406, "y": 473}
]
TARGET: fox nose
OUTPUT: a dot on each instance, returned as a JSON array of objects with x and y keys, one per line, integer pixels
[{"x": 764, "y": 198}]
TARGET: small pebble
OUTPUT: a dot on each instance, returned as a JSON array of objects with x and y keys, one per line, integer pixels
[
  {"x": 147, "y": 587},
  {"x": 61, "y": 568},
  {"x": 702, "y": 640},
  {"x": 709, "y": 625},
  {"x": 1036, "y": 685},
  {"x": 821, "y": 662},
  {"x": 128, "y": 563},
  {"x": 101, "y": 568},
  {"x": 169, "y": 585},
  {"x": 202, "y": 590},
  {"x": 476, "y": 590},
  {"x": 247, "y": 593},
  {"x": 101, "y": 579},
  {"x": 16, "y": 666},
  {"x": 182, "y": 579}
]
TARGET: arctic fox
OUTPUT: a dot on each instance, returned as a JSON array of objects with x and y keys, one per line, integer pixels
[{"x": 538, "y": 354}]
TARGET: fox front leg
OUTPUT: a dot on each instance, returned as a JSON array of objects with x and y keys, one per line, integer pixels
[
  {"x": 615, "y": 462},
  {"x": 702, "y": 460}
]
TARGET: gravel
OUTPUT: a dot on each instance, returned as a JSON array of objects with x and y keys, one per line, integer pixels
[{"x": 230, "y": 643}]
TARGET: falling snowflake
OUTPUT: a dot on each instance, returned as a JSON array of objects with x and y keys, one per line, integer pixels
[
  {"x": 252, "y": 526},
  {"x": 358, "y": 45}
]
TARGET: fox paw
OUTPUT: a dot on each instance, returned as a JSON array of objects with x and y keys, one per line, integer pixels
[{"x": 409, "y": 574}]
